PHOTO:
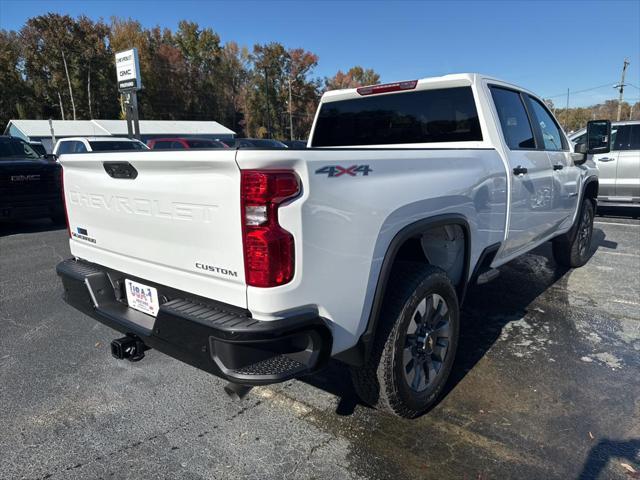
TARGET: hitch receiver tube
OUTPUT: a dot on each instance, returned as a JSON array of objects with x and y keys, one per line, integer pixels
[{"x": 130, "y": 348}]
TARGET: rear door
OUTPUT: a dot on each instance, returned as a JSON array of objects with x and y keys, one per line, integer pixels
[
  {"x": 531, "y": 206},
  {"x": 174, "y": 220},
  {"x": 627, "y": 146}
]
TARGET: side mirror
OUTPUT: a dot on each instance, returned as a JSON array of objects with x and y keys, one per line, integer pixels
[
  {"x": 51, "y": 157},
  {"x": 598, "y": 137}
]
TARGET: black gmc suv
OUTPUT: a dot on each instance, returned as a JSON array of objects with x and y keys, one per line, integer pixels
[{"x": 29, "y": 183}]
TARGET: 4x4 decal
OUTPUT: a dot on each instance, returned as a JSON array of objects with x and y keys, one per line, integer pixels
[{"x": 337, "y": 170}]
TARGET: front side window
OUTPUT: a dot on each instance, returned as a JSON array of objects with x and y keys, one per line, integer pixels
[
  {"x": 551, "y": 135},
  {"x": 513, "y": 119},
  {"x": 425, "y": 116},
  {"x": 80, "y": 148}
]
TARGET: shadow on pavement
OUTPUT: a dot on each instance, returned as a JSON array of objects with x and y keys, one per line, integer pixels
[
  {"x": 605, "y": 450},
  {"x": 487, "y": 309},
  {"x": 29, "y": 226}
]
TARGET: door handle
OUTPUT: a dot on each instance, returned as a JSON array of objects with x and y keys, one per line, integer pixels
[
  {"x": 519, "y": 170},
  {"x": 606, "y": 159},
  {"x": 558, "y": 167}
]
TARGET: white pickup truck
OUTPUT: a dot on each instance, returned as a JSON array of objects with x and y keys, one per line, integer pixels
[{"x": 259, "y": 265}]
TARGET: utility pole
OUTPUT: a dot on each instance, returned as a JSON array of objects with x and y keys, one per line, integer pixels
[
  {"x": 621, "y": 86},
  {"x": 266, "y": 93},
  {"x": 566, "y": 115},
  {"x": 290, "y": 113}
]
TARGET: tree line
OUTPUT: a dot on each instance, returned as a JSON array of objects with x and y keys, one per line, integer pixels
[
  {"x": 573, "y": 119},
  {"x": 61, "y": 67}
]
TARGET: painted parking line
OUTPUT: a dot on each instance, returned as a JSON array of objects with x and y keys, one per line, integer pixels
[
  {"x": 620, "y": 253},
  {"x": 619, "y": 224}
]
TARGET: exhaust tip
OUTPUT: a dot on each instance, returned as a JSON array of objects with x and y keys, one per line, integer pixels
[{"x": 237, "y": 391}]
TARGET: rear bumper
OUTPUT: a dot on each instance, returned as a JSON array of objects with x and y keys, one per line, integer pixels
[{"x": 215, "y": 337}]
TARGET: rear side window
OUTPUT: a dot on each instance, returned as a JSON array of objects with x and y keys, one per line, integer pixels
[
  {"x": 513, "y": 119},
  {"x": 627, "y": 138},
  {"x": 426, "y": 116}
]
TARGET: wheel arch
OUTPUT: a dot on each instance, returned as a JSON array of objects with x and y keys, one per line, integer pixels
[
  {"x": 405, "y": 240},
  {"x": 590, "y": 189}
]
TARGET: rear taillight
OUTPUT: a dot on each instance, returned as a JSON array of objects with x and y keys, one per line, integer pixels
[
  {"x": 268, "y": 248},
  {"x": 387, "y": 87},
  {"x": 64, "y": 202}
]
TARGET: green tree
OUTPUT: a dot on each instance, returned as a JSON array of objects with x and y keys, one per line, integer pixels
[
  {"x": 49, "y": 51},
  {"x": 14, "y": 87}
]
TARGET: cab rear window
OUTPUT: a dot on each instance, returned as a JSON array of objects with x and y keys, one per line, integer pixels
[{"x": 424, "y": 116}]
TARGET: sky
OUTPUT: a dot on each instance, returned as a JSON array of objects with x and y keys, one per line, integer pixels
[{"x": 545, "y": 46}]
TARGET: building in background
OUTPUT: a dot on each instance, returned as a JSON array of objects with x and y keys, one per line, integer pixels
[{"x": 40, "y": 130}]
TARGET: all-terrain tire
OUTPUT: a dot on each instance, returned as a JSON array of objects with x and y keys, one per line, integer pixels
[
  {"x": 574, "y": 250},
  {"x": 382, "y": 382}
]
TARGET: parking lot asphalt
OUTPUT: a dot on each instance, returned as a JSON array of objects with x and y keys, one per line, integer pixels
[{"x": 546, "y": 385}]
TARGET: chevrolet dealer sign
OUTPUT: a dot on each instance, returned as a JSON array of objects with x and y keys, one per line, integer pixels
[{"x": 128, "y": 70}]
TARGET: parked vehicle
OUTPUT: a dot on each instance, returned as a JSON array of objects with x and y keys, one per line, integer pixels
[
  {"x": 257, "y": 143},
  {"x": 258, "y": 266},
  {"x": 96, "y": 144},
  {"x": 295, "y": 144},
  {"x": 184, "y": 143},
  {"x": 619, "y": 168},
  {"x": 29, "y": 183}
]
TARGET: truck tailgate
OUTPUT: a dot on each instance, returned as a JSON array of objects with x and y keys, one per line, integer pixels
[{"x": 177, "y": 222}]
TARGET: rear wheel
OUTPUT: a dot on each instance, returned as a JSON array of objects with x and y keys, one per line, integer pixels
[
  {"x": 415, "y": 343},
  {"x": 575, "y": 253}
]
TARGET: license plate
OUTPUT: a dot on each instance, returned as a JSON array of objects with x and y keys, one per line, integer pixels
[{"x": 142, "y": 297}]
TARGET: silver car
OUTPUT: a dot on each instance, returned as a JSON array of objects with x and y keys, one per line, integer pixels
[{"x": 620, "y": 168}]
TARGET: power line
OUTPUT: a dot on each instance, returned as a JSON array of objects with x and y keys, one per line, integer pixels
[{"x": 579, "y": 91}]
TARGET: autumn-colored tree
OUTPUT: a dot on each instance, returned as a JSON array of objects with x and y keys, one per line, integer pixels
[
  {"x": 355, "y": 77},
  {"x": 577, "y": 118}
]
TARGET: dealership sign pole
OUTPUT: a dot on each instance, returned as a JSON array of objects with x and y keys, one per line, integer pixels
[{"x": 129, "y": 82}]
